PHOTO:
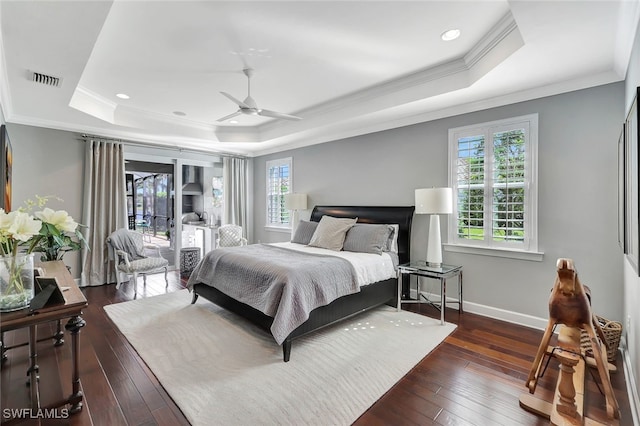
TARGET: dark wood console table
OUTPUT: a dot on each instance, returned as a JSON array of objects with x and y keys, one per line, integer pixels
[{"x": 72, "y": 309}]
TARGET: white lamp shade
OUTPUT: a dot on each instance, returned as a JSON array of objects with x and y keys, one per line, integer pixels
[
  {"x": 434, "y": 201},
  {"x": 295, "y": 201}
]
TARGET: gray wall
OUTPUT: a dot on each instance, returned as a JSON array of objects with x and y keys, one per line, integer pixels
[
  {"x": 48, "y": 162},
  {"x": 51, "y": 162},
  {"x": 578, "y": 134},
  {"x": 631, "y": 326}
]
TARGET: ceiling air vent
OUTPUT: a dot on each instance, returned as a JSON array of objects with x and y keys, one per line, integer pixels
[{"x": 49, "y": 80}]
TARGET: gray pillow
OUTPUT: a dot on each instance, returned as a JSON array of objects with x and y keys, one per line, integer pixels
[
  {"x": 331, "y": 232},
  {"x": 367, "y": 238},
  {"x": 304, "y": 232},
  {"x": 392, "y": 242}
]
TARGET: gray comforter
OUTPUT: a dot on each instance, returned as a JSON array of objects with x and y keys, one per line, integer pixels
[{"x": 281, "y": 283}]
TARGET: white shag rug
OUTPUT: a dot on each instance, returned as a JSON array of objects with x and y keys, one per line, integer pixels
[{"x": 222, "y": 370}]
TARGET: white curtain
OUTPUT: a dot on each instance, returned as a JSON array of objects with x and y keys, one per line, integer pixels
[
  {"x": 104, "y": 207},
  {"x": 235, "y": 191}
]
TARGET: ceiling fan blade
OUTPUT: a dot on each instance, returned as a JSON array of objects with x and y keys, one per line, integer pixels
[
  {"x": 274, "y": 114},
  {"x": 234, "y": 100},
  {"x": 226, "y": 117}
]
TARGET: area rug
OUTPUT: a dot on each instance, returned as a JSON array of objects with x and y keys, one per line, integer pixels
[{"x": 222, "y": 370}]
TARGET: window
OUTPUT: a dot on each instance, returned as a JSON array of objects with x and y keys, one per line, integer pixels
[
  {"x": 493, "y": 175},
  {"x": 279, "y": 183}
]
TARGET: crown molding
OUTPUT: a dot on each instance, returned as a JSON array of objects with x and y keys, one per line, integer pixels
[
  {"x": 496, "y": 46},
  {"x": 501, "y": 31},
  {"x": 391, "y": 104},
  {"x": 93, "y": 104},
  {"x": 378, "y": 123},
  {"x": 345, "y": 116},
  {"x": 628, "y": 25}
]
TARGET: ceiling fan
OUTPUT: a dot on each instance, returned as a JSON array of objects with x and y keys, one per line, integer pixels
[{"x": 249, "y": 106}]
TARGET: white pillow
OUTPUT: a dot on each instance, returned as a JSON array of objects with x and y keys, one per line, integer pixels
[{"x": 331, "y": 232}]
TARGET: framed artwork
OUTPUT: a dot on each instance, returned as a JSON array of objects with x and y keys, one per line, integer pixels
[
  {"x": 217, "y": 184},
  {"x": 622, "y": 237},
  {"x": 6, "y": 161},
  {"x": 632, "y": 213}
]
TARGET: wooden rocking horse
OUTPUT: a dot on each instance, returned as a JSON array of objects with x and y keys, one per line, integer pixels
[{"x": 570, "y": 306}]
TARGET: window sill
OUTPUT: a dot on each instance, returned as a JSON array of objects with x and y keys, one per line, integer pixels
[
  {"x": 278, "y": 229},
  {"x": 533, "y": 256}
]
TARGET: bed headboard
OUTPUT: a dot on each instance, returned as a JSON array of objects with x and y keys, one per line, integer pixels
[{"x": 383, "y": 214}]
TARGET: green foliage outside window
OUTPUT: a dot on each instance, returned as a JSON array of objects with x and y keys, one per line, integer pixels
[{"x": 505, "y": 178}]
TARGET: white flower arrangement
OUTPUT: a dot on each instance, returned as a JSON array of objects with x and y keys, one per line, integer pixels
[
  {"x": 17, "y": 228},
  {"x": 50, "y": 232}
]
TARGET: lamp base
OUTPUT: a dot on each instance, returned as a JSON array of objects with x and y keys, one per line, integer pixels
[
  {"x": 294, "y": 222},
  {"x": 434, "y": 264},
  {"x": 434, "y": 247}
]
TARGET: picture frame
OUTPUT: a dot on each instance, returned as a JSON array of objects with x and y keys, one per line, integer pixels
[
  {"x": 6, "y": 163},
  {"x": 632, "y": 211},
  {"x": 622, "y": 237},
  {"x": 47, "y": 292}
]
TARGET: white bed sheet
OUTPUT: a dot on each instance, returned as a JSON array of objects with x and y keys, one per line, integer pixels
[{"x": 369, "y": 267}]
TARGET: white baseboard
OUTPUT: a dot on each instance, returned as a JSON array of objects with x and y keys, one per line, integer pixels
[
  {"x": 632, "y": 387},
  {"x": 495, "y": 313},
  {"x": 508, "y": 316}
]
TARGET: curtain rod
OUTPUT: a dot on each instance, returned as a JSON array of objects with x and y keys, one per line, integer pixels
[{"x": 85, "y": 137}]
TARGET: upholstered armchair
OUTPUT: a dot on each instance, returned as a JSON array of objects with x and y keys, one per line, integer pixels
[
  {"x": 132, "y": 257},
  {"x": 230, "y": 236}
]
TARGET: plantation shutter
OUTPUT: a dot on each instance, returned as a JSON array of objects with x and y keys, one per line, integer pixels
[
  {"x": 493, "y": 176},
  {"x": 508, "y": 186},
  {"x": 278, "y": 184},
  {"x": 470, "y": 187}
]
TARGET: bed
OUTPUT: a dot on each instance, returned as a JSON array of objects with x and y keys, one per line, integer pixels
[{"x": 368, "y": 296}]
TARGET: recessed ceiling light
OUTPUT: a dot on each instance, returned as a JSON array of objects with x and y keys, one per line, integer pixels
[
  {"x": 180, "y": 113},
  {"x": 234, "y": 122},
  {"x": 122, "y": 96},
  {"x": 450, "y": 35}
]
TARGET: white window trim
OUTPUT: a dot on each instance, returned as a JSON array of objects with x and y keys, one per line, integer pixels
[
  {"x": 530, "y": 251},
  {"x": 285, "y": 227}
]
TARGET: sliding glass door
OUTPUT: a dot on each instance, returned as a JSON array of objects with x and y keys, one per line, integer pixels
[{"x": 153, "y": 206}]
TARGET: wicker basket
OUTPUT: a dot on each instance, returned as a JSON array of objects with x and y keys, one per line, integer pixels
[{"x": 612, "y": 332}]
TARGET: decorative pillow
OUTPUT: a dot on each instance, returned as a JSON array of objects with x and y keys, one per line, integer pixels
[
  {"x": 392, "y": 242},
  {"x": 331, "y": 232},
  {"x": 367, "y": 238},
  {"x": 304, "y": 232}
]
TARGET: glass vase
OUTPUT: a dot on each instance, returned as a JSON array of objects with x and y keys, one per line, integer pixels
[{"x": 16, "y": 282}]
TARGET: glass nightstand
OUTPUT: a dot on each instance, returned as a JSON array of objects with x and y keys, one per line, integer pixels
[{"x": 422, "y": 269}]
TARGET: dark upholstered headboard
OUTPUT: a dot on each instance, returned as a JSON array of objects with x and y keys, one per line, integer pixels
[{"x": 384, "y": 214}]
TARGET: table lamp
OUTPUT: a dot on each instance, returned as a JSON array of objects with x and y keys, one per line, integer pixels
[
  {"x": 295, "y": 202},
  {"x": 434, "y": 201}
]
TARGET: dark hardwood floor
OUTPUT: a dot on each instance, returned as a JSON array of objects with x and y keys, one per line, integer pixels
[{"x": 473, "y": 378}]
